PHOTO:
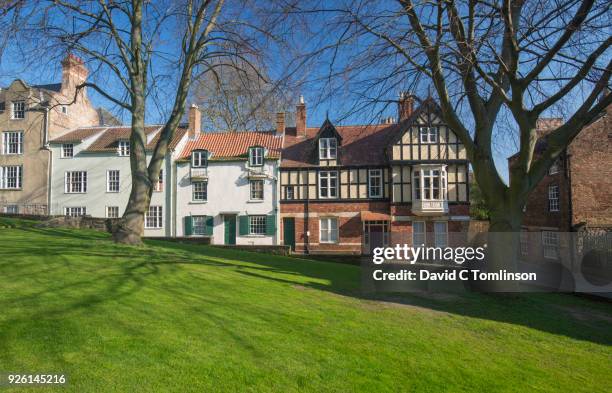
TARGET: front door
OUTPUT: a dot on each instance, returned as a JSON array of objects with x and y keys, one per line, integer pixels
[
  {"x": 230, "y": 229},
  {"x": 289, "y": 232},
  {"x": 376, "y": 237}
]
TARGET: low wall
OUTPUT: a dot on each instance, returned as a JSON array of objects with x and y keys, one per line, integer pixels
[
  {"x": 84, "y": 222},
  {"x": 269, "y": 249}
]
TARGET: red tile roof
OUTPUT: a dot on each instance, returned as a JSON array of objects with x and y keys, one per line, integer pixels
[
  {"x": 178, "y": 135},
  {"x": 107, "y": 142},
  {"x": 78, "y": 135},
  {"x": 227, "y": 145}
]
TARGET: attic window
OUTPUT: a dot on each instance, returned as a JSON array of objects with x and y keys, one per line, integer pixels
[
  {"x": 256, "y": 155},
  {"x": 123, "y": 148},
  {"x": 18, "y": 110},
  {"x": 199, "y": 158},
  {"x": 64, "y": 109},
  {"x": 328, "y": 148},
  {"x": 428, "y": 134}
]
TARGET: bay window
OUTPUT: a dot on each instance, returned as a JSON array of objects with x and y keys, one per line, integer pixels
[{"x": 429, "y": 183}]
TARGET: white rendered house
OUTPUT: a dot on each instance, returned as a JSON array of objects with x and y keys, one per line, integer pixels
[
  {"x": 227, "y": 187},
  {"x": 91, "y": 175}
]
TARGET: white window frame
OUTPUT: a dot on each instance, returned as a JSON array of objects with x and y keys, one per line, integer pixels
[
  {"x": 440, "y": 237},
  {"x": 251, "y": 190},
  {"x": 419, "y": 176},
  {"x": 110, "y": 211},
  {"x": 419, "y": 238},
  {"x": 123, "y": 148},
  {"x": 10, "y": 139},
  {"x": 69, "y": 182},
  {"x": 11, "y": 177},
  {"x": 290, "y": 195},
  {"x": 66, "y": 149},
  {"x": 11, "y": 209},
  {"x": 257, "y": 225},
  {"x": 154, "y": 217},
  {"x": 256, "y": 156},
  {"x": 329, "y": 176},
  {"x": 328, "y": 231},
  {"x": 158, "y": 186},
  {"x": 328, "y": 148},
  {"x": 195, "y": 192},
  {"x": 553, "y": 198},
  {"x": 428, "y": 134},
  {"x": 375, "y": 174},
  {"x": 550, "y": 244},
  {"x": 75, "y": 211},
  {"x": 18, "y": 110},
  {"x": 199, "y": 159},
  {"x": 198, "y": 225},
  {"x": 64, "y": 109},
  {"x": 111, "y": 182}
]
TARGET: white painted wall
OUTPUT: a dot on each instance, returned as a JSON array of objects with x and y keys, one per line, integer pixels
[
  {"x": 228, "y": 192},
  {"x": 96, "y": 199}
]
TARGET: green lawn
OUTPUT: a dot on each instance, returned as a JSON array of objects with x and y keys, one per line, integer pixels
[{"x": 169, "y": 317}]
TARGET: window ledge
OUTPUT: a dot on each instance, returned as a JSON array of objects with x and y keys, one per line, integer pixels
[
  {"x": 198, "y": 202},
  {"x": 255, "y": 201},
  {"x": 254, "y": 235}
]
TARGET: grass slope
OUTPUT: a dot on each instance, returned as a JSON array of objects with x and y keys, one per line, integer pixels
[{"x": 168, "y": 317}]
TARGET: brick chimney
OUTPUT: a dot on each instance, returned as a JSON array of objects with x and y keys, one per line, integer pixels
[
  {"x": 74, "y": 73},
  {"x": 405, "y": 106},
  {"x": 195, "y": 121},
  {"x": 280, "y": 122},
  {"x": 300, "y": 118}
]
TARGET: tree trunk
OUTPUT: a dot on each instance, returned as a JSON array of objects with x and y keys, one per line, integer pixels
[
  {"x": 503, "y": 246},
  {"x": 131, "y": 226}
]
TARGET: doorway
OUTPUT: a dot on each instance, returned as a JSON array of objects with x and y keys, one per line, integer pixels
[{"x": 229, "y": 224}]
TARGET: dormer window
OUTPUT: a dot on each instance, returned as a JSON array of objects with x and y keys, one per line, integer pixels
[
  {"x": 123, "y": 148},
  {"x": 199, "y": 159},
  {"x": 256, "y": 156},
  {"x": 428, "y": 134},
  {"x": 328, "y": 148}
]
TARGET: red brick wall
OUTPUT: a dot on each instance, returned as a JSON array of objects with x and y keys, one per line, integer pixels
[
  {"x": 350, "y": 226},
  {"x": 591, "y": 173}
]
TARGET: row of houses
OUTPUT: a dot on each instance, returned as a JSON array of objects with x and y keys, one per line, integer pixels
[{"x": 325, "y": 189}]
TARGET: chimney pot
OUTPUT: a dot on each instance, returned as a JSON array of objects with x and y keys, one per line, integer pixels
[
  {"x": 280, "y": 122},
  {"x": 195, "y": 121},
  {"x": 405, "y": 106},
  {"x": 300, "y": 118}
]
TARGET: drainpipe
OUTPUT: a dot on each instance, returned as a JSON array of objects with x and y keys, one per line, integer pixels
[
  {"x": 568, "y": 171},
  {"x": 45, "y": 111}
]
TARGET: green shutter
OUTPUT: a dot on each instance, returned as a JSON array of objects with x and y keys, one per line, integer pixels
[
  {"x": 188, "y": 226},
  {"x": 243, "y": 223},
  {"x": 209, "y": 225},
  {"x": 271, "y": 225}
]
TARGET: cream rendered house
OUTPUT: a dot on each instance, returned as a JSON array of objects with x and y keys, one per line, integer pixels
[
  {"x": 91, "y": 175},
  {"x": 228, "y": 187},
  {"x": 30, "y": 116}
]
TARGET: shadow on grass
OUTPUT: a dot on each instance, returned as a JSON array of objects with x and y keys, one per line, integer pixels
[{"x": 119, "y": 271}]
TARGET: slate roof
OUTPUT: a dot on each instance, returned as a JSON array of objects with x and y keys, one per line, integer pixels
[
  {"x": 228, "y": 145},
  {"x": 360, "y": 145},
  {"x": 50, "y": 86}
]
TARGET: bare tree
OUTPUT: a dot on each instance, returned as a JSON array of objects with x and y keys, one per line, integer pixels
[
  {"x": 487, "y": 60},
  {"x": 239, "y": 99},
  {"x": 131, "y": 44}
]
